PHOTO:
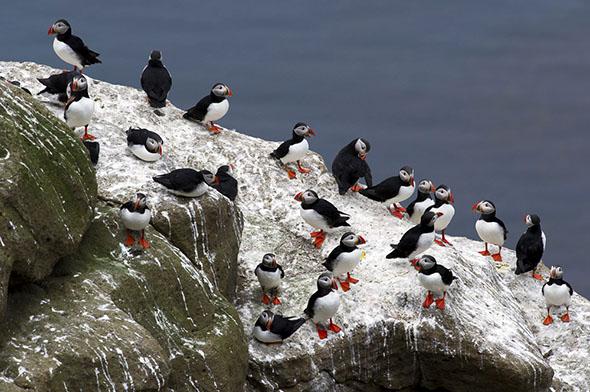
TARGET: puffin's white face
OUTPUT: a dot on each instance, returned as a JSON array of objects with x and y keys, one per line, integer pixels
[
  {"x": 326, "y": 280},
  {"x": 303, "y": 130},
  {"x": 59, "y": 27},
  {"x": 485, "y": 207},
  {"x": 221, "y": 90},
  {"x": 426, "y": 262},
  {"x": 152, "y": 145},
  {"x": 265, "y": 319},
  {"x": 269, "y": 260},
  {"x": 361, "y": 148},
  {"x": 407, "y": 176},
  {"x": 556, "y": 272},
  {"x": 209, "y": 177},
  {"x": 79, "y": 83},
  {"x": 444, "y": 194},
  {"x": 351, "y": 240},
  {"x": 426, "y": 186},
  {"x": 531, "y": 220},
  {"x": 306, "y": 197}
]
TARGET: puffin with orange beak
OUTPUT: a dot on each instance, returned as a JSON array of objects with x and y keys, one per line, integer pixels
[
  {"x": 144, "y": 144},
  {"x": 436, "y": 279},
  {"x": 80, "y": 107},
  {"x": 351, "y": 164},
  {"x": 444, "y": 200},
  {"x": 344, "y": 258},
  {"x": 320, "y": 214},
  {"x": 270, "y": 274},
  {"x": 557, "y": 293},
  {"x": 323, "y": 305},
  {"x": 423, "y": 200},
  {"x": 274, "y": 328},
  {"x": 294, "y": 149},
  {"x": 490, "y": 229},
  {"x": 225, "y": 183},
  {"x": 393, "y": 190},
  {"x": 211, "y": 108},
  {"x": 70, "y": 48},
  {"x": 135, "y": 216}
]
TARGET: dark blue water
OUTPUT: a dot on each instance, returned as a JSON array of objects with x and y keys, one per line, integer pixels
[{"x": 491, "y": 98}]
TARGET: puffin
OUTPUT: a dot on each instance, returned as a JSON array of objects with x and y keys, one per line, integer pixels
[
  {"x": 211, "y": 108},
  {"x": 274, "y": 328},
  {"x": 416, "y": 240},
  {"x": 490, "y": 229},
  {"x": 225, "y": 183},
  {"x": 444, "y": 200},
  {"x": 144, "y": 144},
  {"x": 156, "y": 80},
  {"x": 350, "y": 165},
  {"x": 530, "y": 247},
  {"x": 393, "y": 190},
  {"x": 423, "y": 200},
  {"x": 323, "y": 305},
  {"x": 320, "y": 214},
  {"x": 436, "y": 279},
  {"x": 70, "y": 48},
  {"x": 345, "y": 257},
  {"x": 58, "y": 84},
  {"x": 80, "y": 107},
  {"x": 136, "y": 216},
  {"x": 269, "y": 274},
  {"x": 557, "y": 292},
  {"x": 294, "y": 149},
  {"x": 186, "y": 182},
  {"x": 93, "y": 148}
]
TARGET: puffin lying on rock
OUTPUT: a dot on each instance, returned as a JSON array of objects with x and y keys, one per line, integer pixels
[
  {"x": 58, "y": 84},
  {"x": 136, "y": 216},
  {"x": 270, "y": 274},
  {"x": 393, "y": 190},
  {"x": 416, "y": 240},
  {"x": 144, "y": 144},
  {"x": 323, "y": 305},
  {"x": 436, "y": 279},
  {"x": 350, "y": 165},
  {"x": 211, "y": 108},
  {"x": 344, "y": 258},
  {"x": 274, "y": 328},
  {"x": 557, "y": 293},
  {"x": 186, "y": 182},
  {"x": 294, "y": 149}
]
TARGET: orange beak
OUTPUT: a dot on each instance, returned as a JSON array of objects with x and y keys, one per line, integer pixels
[
  {"x": 50, "y": 31},
  {"x": 136, "y": 205},
  {"x": 74, "y": 86},
  {"x": 232, "y": 166},
  {"x": 362, "y": 156},
  {"x": 439, "y": 214},
  {"x": 299, "y": 196},
  {"x": 311, "y": 132},
  {"x": 362, "y": 239},
  {"x": 161, "y": 150},
  {"x": 432, "y": 188},
  {"x": 451, "y": 198},
  {"x": 474, "y": 207},
  {"x": 216, "y": 180},
  {"x": 334, "y": 284},
  {"x": 229, "y": 92},
  {"x": 412, "y": 181},
  {"x": 268, "y": 325}
]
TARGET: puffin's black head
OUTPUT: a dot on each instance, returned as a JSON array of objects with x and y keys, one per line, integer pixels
[
  {"x": 79, "y": 83},
  {"x": 532, "y": 220},
  {"x": 361, "y": 148},
  {"x": 221, "y": 90},
  {"x": 59, "y": 27},
  {"x": 406, "y": 174},
  {"x": 444, "y": 193},
  {"x": 425, "y": 186},
  {"x": 302, "y": 129},
  {"x": 485, "y": 207},
  {"x": 425, "y": 263},
  {"x": 265, "y": 320},
  {"x": 556, "y": 272},
  {"x": 269, "y": 260},
  {"x": 351, "y": 240},
  {"x": 156, "y": 55},
  {"x": 225, "y": 170},
  {"x": 140, "y": 201},
  {"x": 429, "y": 218},
  {"x": 307, "y": 197},
  {"x": 327, "y": 282},
  {"x": 208, "y": 177}
]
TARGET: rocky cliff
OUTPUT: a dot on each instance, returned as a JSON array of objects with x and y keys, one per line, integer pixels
[{"x": 174, "y": 298}]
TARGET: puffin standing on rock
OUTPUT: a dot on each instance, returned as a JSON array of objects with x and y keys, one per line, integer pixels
[
  {"x": 136, "y": 216},
  {"x": 320, "y": 214},
  {"x": 344, "y": 258},
  {"x": 416, "y": 240},
  {"x": 58, "y": 84},
  {"x": 444, "y": 203},
  {"x": 270, "y": 274},
  {"x": 350, "y": 165},
  {"x": 558, "y": 293},
  {"x": 186, "y": 182},
  {"x": 70, "y": 48},
  {"x": 294, "y": 149},
  {"x": 530, "y": 247},
  {"x": 489, "y": 228},
  {"x": 323, "y": 305},
  {"x": 393, "y": 190},
  {"x": 423, "y": 200},
  {"x": 224, "y": 183},
  {"x": 436, "y": 279},
  {"x": 156, "y": 80},
  {"x": 144, "y": 144},
  {"x": 274, "y": 328},
  {"x": 211, "y": 108},
  {"x": 80, "y": 107}
]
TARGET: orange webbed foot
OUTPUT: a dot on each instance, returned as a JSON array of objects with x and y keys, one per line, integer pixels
[
  {"x": 356, "y": 188},
  {"x": 548, "y": 320},
  {"x": 344, "y": 285},
  {"x": 538, "y": 277},
  {"x": 439, "y": 242},
  {"x": 565, "y": 318},
  {"x": 334, "y": 328},
  {"x": 144, "y": 244},
  {"x": 440, "y": 303},
  {"x": 129, "y": 241},
  {"x": 428, "y": 300},
  {"x": 497, "y": 257},
  {"x": 265, "y": 299},
  {"x": 276, "y": 301},
  {"x": 291, "y": 174},
  {"x": 484, "y": 253},
  {"x": 352, "y": 280},
  {"x": 322, "y": 333}
]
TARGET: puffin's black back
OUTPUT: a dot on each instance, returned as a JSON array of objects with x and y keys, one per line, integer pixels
[
  {"x": 138, "y": 136},
  {"x": 228, "y": 186},
  {"x": 285, "y": 327},
  {"x": 385, "y": 190},
  {"x": 180, "y": 179},
  {"x": 529, "y": 250},
  {"x": 87, "y": 56},
  {"x": 156, "y": 82},
  {"x": 348, "y": 168}
]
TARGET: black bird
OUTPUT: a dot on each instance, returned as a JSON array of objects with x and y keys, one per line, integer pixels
[
  {"x": 436, "y": 279},
  {"x": 393, "y": 190},
  {"x": 350, "y": 165},
  {"x": 144, "y": 144},
  {"x": 70, "y": 48},
  {"x": 225, "y": 183},
  {"x": 93, "y": 150},
  {"x": 211, "y": 108},
  {"x": 294, "y": 149},
  {"x": 274, "y": 328},
  {"x": 530, "y": 247},
  {"x": 156, "y": 80},
  {"x": 58, "y": 84},
  {"x": 186, "y": 182},
  {"x": 416, "y": 240}
]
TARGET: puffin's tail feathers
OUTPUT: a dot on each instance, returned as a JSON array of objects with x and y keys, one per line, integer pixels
[
  {"x": 156, "y": 104},
  {"x": 162, "y": 179},
  {"x": 293, "y": 325},
  {"x": 371, "y": 194},
  {"x": 395, "y": 254},
  {"x": 341, "y": 222}
]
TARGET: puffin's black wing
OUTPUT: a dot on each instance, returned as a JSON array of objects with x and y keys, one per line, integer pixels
[
  {"x": 138, "y": 136},
  {"x": 407, "y": 244},
  {"x": 499, "y": 221},
  {"x": 286, "y": 326},
  {"x": 569, "y": 287},
  {"x": 329, "y": 263},
  {"x": 180, "y": 179},
  {"x": 93, "y": 150},
  {"x": 383, "y": 191},
  {"x": 334, "y": 217},
  {"x": 156, "y": 82},
  {"x": 87, "y": 56},
  {"x": 198, "y": 111},
  {"x": 58, "y": 83},
  {"x": 282, "y": 272},
  {"x": 282, "y": 150},
  {"x": 529, "y": 251},
  {"x": 347, "y": 169},
  {"x": 543, "y": 288},
  {"x": 127, "y": 206},
  {"x": 446, "y": 274},
  {"x": 309, "y": 309}
]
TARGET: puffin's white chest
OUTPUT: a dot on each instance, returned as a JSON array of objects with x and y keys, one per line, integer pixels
[
  {"x": 326, "y": 307},
  {"x": 557, "y": 295},
  {"x": 134, "y": 220},
  {"x": 269, "y": 279},
  {"x": 216, "y": 111},
  {"x": 448, "y": 211},
  {"x": 490, "y": 232},
  {"x": 404, "y": 193},
  {"x": 314, "y": 219},
  {"x": 419, "y": 209},
  {"x": 199, "y": 190},
  {"x": 296, "y": 152},
  {"x": 79, "y": 113},
  {"x": 425, "y": 241},
  {"x": 432, "y": 282},
  {"x": 266, "y": 336},
  {"x": 347, "y": 261},
  {"x": 142, "y": 153},
  {"x": 66, "y": 53}
]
